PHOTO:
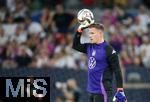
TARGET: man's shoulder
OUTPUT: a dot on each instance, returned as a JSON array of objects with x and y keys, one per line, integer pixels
[{"x": 109, "y": 49}]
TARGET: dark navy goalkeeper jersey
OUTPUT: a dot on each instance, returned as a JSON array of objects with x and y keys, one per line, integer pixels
[{"x": 102, "y": 62}]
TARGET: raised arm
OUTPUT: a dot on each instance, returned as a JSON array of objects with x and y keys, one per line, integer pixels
[{"x": 76, "y": 43}]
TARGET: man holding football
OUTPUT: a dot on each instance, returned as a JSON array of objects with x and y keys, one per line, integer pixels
[{"x": 102, "y": 60}]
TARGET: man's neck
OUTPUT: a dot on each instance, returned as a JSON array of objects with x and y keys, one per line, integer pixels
[{"x": 100, "y": 41}]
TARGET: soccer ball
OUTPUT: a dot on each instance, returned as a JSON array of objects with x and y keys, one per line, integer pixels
[{"x": 85, "y": 17}]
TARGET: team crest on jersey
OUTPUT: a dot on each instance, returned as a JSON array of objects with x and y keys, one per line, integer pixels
[
  {"x": 93, "y": 53},
  {"x": 91, "y": 63}
]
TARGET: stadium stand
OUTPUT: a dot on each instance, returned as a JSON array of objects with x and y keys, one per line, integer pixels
[{"x": 62, "y": 75}]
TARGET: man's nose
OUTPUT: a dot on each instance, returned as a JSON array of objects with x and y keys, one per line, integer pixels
[{"x": 90, "y": 35}]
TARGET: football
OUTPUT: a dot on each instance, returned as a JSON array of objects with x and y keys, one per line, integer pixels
[{"x": 85, "y": 17}]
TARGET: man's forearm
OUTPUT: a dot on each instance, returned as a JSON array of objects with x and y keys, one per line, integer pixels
[{"x": 77, "y": 45}]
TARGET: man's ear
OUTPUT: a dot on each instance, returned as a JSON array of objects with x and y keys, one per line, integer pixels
[{"x": 101, "y": 33}]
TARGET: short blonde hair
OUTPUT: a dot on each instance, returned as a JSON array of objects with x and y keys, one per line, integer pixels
[{"x": 97, "y": 26}]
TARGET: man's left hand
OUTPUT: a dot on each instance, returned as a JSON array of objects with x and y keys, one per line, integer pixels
[{"x": 120, "y": 96}]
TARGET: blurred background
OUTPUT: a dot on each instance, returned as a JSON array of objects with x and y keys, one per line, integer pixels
[{"x": 36, "y": 40}]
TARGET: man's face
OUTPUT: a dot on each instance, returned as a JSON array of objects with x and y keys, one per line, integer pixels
[{"x": 95, "y": 35}]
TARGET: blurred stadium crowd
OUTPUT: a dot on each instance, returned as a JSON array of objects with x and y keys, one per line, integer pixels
[{"x": 39, "y": 33}]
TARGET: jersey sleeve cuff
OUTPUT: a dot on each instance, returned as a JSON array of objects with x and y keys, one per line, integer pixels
[{"x": 119, "y": 89}]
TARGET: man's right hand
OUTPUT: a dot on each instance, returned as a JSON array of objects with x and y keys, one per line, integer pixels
[{"x": 83, "y": 26}]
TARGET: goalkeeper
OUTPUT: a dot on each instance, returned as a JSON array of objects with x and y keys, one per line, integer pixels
[{"x": 102, "y": 61}]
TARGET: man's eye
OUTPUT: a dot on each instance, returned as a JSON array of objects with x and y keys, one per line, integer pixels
[{"x": 92, "y": 33}]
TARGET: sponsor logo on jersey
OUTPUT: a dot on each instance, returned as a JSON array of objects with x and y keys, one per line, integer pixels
[{"x": 91, "y": 63}]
